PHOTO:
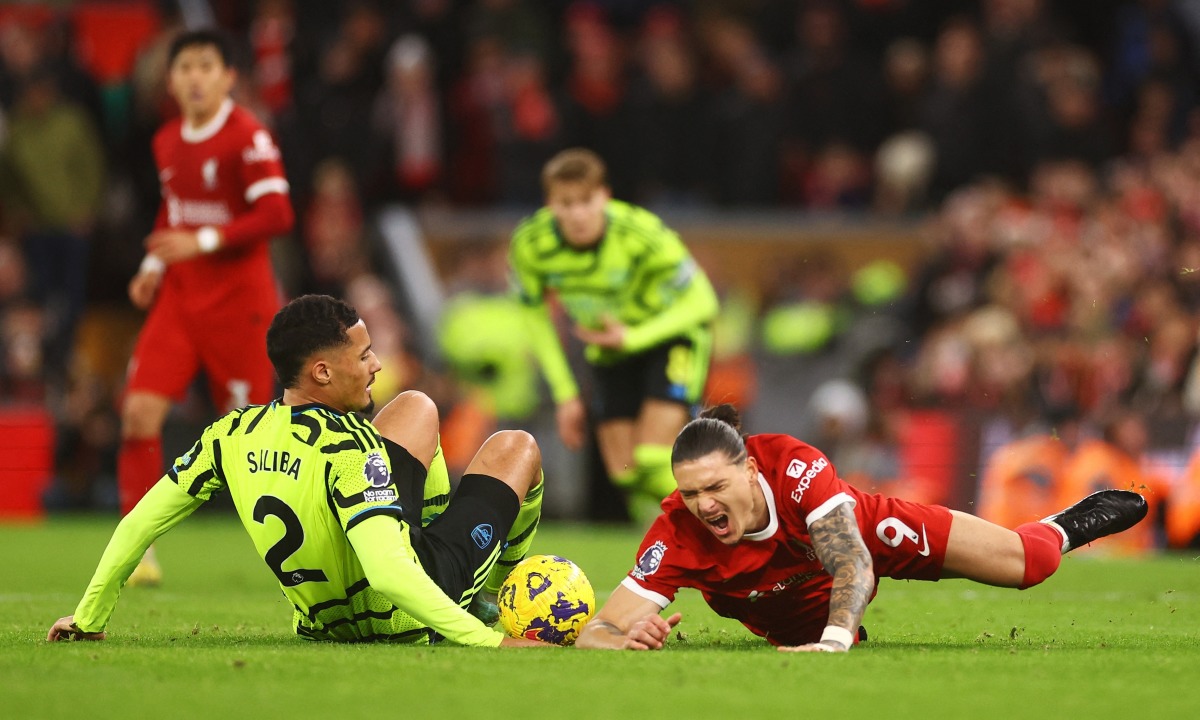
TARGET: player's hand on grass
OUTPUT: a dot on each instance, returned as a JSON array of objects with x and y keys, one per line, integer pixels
[
  {"x": 650, "y": 632},
  {"x": 65, "y": 629},
  {"x": 610, "y": 335},
  {"x": 827, "y": 646},
  {"x": 143, "y": 287},
  {"x": 172, "y": 246},
  {"x": 571, "y": 419}
]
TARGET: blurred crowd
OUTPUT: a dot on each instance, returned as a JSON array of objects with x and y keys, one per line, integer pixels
[
  {"x": 1046, "y": 345},
  {"x": 1050, "y": 149}
]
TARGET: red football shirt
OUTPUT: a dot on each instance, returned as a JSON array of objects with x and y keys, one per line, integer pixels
[
  {"x": 209, "y": 176},
  {"x": 772, "y": 581}
]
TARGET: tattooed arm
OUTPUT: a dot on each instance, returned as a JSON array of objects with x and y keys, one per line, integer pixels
[{"x": 840, "y": 547}]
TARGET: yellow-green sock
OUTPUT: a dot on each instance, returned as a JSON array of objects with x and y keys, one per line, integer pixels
[
  {"x": 626, "y": 480},
  {"x": 519, "y": 539},
  {"x": 437, "y": 487},
  {"x": 653, "y": 464}
]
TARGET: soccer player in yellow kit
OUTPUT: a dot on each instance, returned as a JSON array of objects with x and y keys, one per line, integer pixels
[
  {"x": 638, "y": 300},
  {"x": 334, "y": 503}
]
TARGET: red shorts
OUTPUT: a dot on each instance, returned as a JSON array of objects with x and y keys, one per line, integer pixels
[
  {"x": 173, "y": 346},
  {"x": 907, "y": 540}
]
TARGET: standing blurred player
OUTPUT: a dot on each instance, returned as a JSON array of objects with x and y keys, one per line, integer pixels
[
  {"x": 206, "y": 279},
  {"x": 637, "y": 299}
]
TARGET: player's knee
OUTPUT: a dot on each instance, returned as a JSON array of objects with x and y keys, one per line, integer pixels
[
  {"x": 411, "y": 408},
  {"x": 516, "y": 443},
  {"x": 415, "y": 401},
  {"x": 514, "y": 446},
  {"x": 142, "y": 416}
]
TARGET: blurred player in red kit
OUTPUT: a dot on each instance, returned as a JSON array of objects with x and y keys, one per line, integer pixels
[{"x": 206, "y": 279}]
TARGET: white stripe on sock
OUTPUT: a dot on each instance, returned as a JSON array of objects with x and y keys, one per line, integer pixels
[{"x": 1066, "y": 544}]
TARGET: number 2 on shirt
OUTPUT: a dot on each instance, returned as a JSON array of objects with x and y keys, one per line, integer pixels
[{"x": 293, "y": 538}]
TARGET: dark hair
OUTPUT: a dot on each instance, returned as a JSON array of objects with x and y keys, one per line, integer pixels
[
  {"x": 204, "y": 36},
  {"x": 304, "y": 326},
  {"x": 718, "y": 429}
]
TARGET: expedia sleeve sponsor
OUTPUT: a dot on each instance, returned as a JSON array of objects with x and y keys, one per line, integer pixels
[{"x": 805, "y": 474}]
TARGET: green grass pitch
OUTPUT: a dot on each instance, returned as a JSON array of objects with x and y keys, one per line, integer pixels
[{"x": 1101, "y": 639}]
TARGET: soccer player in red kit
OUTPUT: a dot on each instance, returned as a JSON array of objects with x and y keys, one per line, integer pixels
[
  {"x": 206, "y": 279},
  {"x": 772, "y": 537}
]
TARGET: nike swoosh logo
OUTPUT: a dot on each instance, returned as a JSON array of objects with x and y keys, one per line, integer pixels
[{"x": 924, "y": 552}]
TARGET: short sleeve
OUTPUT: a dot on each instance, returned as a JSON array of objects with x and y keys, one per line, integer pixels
[
  {"x": 361, "y": 486},
  {"x": 262, "y": 165},
  {"x": 812, "y": 485},
  {"x": 661, "y": 567}
]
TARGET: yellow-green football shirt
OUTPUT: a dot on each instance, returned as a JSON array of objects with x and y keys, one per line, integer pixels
[
  {"x": 301, "y": 477},
  {"x": 639, "y": 273}
]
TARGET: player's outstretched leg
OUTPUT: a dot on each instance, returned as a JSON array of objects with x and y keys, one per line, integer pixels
[
  {"x": 1028, "y": 554},
  {"x": 1098, "y": 515}
]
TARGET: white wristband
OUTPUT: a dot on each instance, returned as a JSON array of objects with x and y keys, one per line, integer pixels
[
  {"x": 838, "y": 635},
  {"x": 152, "y": 264},
  {"x": 208, "y": 238}
]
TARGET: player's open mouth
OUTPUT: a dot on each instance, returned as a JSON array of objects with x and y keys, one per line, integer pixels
[{"x": 719, "y": 524}]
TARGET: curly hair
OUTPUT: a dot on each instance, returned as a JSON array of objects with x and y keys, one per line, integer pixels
[{"x": 304, "y": 326}]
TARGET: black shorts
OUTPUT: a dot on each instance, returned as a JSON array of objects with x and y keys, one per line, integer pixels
[
  {"x": 459, "y": 547},
  {"x": 674, "y": 371}
]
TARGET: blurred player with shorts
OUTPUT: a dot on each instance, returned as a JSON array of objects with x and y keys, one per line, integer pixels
[
  {"x": 640, "y": 303},
  {"x": 206, "y": 279}
]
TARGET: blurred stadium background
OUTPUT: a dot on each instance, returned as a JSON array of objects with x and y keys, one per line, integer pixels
[{"x": 957, "y": 243}]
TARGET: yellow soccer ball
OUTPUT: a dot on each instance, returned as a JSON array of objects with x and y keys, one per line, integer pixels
[{"x": 546, "y": 598}]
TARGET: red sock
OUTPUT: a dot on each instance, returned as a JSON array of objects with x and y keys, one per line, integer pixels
[
  {"x": 1043, "y": 552},
  {"x": 139, "y": 465}
]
